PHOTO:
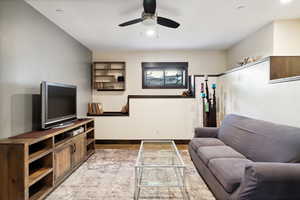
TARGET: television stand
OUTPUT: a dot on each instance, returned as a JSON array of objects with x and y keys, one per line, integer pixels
[
  {"x": 64, "y": 125},
  {"x": 34, "y": 164}
]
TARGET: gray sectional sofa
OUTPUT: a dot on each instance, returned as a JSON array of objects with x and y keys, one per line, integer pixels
[{"x": 248, "y": 159}]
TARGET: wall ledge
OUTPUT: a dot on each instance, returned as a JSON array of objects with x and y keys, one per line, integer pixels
[
  {"x": 246, "y": 65},
  {"x": 120, "y": 114},
  {"x": 159, "y": 97}
]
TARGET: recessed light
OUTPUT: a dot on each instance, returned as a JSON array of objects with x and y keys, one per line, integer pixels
[
  {"x": 240, "y": 4},
  {"x": 59, "y": 10},
  {"x": 286, "y": 1},
  {"x": 240, "y": 7}
]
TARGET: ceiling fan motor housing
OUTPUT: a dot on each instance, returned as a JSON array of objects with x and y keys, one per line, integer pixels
[{"x": 149, "y": 19}]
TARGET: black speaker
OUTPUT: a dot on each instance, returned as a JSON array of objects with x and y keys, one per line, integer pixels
[{"x": 121, "y": 79}]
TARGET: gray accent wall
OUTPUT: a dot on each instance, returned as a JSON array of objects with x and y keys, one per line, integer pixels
[{"x": 33, "y": 49}]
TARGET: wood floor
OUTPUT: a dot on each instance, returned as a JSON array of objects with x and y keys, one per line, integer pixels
[{"x": 132, "y": 146}]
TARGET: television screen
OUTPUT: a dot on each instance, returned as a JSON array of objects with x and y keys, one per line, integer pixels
[
  {"x": 58, "y": 103},
  {"x": 61, "y": 102}
]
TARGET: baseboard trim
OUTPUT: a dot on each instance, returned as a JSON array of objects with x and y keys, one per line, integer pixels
[{"x": 134, "y": 141}]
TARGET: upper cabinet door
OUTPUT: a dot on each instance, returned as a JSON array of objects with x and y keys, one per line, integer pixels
[{"x": 79, "y": 149}]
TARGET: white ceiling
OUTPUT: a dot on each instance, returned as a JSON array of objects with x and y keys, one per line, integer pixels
[{"x": 205, "y": 24}]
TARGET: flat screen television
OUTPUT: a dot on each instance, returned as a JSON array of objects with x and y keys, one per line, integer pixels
[{"x": 59, "y": 104}]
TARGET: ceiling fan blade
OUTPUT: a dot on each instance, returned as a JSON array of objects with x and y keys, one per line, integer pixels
[
  {"x": 135, "y": 21},
  {"x": 167, "y": 22},
  {"x": 150, "y": 6}
]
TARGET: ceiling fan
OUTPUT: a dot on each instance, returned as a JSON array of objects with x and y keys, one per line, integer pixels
[{"x": 150, "y": 17}]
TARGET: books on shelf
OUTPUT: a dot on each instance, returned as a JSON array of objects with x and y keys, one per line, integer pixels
[{"x": 95, "y": 108}]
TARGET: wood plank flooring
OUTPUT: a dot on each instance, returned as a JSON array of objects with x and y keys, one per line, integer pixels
[{"x": 132, "y": 146}]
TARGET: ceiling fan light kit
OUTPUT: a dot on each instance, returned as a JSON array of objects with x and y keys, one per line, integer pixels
[
  {"x": 152, "y": 33},
  {"x": 151, "y": 19},
  {"x": 149, "y": 31}
]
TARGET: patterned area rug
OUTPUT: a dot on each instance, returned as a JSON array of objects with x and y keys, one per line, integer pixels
[{"x": 109, "y": 175}]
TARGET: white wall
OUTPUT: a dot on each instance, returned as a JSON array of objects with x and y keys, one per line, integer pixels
[
  {"x": 33, "y": 49},
  {"x": 279, "y": 38},
  {"x": 156, "y": 118},
  {"x": 151, "y": 119},
  {"x": 247, "y": 92},
  {"x": 200, "y": 62},
  {"x": 287, "y": 37},
  {"x": 256, "y": 44}
]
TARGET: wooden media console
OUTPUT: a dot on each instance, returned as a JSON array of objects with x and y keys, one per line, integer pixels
[{"x": 35, "y": 163}]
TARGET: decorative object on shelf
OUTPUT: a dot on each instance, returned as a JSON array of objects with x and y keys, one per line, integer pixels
[
  {"x": 187, "y": 93},
  {"x": 191, "y": 89},
  {"x": 248, "y": 60},
  {"x": 125, "y": 109},
  {"x": 209, "y": 104},
  {"x": 95, "y": 108},
  {"x": 108, "y": 76}
]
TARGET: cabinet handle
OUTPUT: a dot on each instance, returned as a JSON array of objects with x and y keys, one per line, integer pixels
[{"x": 74, "y": 147}]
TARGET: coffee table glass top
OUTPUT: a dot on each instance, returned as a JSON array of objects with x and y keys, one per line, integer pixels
[{"x": 159, "y": 153}]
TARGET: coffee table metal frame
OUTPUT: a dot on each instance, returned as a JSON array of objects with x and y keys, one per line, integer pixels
[{"x": 178, "y": 167}]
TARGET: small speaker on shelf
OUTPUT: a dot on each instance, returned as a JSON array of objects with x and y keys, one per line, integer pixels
[{"x": 121, "y": 79}]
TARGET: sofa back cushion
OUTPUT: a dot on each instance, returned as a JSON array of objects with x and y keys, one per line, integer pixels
[{"x": 261, "y": 141}]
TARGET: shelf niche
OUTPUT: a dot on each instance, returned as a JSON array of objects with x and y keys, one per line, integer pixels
[
  {"x": 109, "y": 76},
  {"x": 284, "y": 68},
  {"x": 41, "y": 188},
  {"x": 40, "y": 168},
  {"x": 39, "y": 149}
]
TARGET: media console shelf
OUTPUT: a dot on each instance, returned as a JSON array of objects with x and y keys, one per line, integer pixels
[{"x": 33, "y": 164}]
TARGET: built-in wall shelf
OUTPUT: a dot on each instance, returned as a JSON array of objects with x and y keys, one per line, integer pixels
[
  {"x": 110, "y": 114},
  {"x": 284, "y": 68},
  {"x": 110, "y": 90},
  {"x": 109, "y": 69},
  {"x": 109, "y": 76},
  {"x": 121, "y": 114}
]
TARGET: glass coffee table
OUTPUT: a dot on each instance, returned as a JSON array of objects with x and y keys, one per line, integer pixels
[{"x": 159, "y": 164}]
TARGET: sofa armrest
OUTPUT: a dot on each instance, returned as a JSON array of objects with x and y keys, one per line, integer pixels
[
  {"x": 270, "y": 181},
  {"x": 206, "y": 132}
]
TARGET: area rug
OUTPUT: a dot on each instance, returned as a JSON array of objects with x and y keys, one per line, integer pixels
[{"x": 109, "y": 175}]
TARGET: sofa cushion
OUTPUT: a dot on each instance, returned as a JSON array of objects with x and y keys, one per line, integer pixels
[
  {"x": 200, "y": 142},
  {"x": 211, "y": 152},
  {"x": 261, "y": 141},
  {"x": 228, "y": 171}
]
